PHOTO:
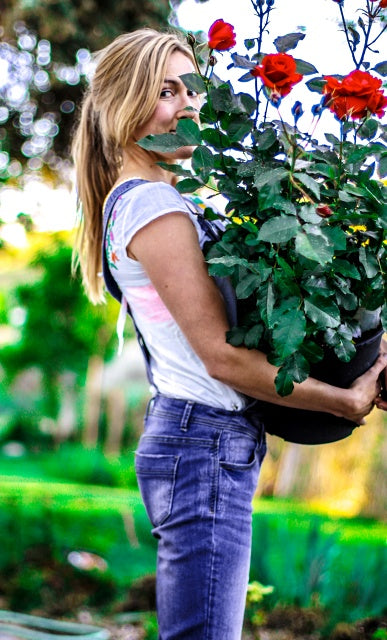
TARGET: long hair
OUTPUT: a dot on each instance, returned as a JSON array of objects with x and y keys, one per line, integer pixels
[{"x": 122, "y": 96}]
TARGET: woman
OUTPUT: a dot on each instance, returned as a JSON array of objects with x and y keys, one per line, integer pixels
[{"x": 198, "y": 460}]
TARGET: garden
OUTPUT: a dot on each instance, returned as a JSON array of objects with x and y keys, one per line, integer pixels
[{"x": 305, "y": 249}]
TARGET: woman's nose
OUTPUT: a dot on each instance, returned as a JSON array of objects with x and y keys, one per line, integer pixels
[{"x": 188, "y": 112}]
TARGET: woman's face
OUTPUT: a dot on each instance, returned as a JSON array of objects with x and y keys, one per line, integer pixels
[{"x": 173, "y": 101}]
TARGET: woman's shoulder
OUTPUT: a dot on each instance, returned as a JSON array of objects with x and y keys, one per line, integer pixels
[{"x": 151, "y": 194}]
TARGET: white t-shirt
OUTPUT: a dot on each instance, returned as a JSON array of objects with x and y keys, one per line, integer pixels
[{"x": 177, "y": 371}]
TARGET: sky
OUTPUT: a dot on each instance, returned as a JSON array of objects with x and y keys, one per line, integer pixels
[{"x": 324, "y": 46}]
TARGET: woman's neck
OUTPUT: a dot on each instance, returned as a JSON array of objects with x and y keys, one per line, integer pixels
[{"x": 137, "y": 163}]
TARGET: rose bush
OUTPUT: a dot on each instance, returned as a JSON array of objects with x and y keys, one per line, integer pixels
[{"x": 305, "y": 240}]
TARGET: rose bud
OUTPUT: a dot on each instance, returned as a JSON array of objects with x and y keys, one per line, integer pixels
[
  {"x": 324, "y": 211},
  {"x": 212, "y": 61},
  {"x": 191, "y": 39}
]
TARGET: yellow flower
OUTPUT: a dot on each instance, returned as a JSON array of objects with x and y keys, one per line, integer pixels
[{"x": 358, "y": 227}]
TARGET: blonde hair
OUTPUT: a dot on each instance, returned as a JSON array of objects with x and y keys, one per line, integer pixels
[{"x": 122, "y": 96}]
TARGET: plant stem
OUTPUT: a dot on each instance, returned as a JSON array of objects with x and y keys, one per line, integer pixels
[{"x": 347, "y": 35}]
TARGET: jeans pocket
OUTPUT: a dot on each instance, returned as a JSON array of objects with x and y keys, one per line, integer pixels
[
  {"x": 156, "y": 476},
  {"x": 238, "y": 451}
]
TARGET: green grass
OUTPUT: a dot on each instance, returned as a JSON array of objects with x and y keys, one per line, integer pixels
[{"x": 308, "y": 557}]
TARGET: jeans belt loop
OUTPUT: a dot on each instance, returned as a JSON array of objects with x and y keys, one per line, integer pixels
[{"x": 186, "y": 415}]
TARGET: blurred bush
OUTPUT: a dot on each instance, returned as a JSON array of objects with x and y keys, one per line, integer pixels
[{"x": 339, "y": 564}]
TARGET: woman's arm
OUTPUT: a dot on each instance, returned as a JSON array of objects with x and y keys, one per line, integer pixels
[{"x": 170, "y": 254}]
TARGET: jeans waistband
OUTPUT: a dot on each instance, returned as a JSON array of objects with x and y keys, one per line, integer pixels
[{"x": 184, "y": 410}]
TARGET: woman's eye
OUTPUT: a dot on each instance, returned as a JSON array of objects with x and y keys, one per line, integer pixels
[
  {"x": 192, "y": 93},
  {"x": 166, "y": 93}
]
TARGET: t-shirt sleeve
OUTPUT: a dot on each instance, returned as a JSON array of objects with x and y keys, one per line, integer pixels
[{"x": 146, "y": 203}]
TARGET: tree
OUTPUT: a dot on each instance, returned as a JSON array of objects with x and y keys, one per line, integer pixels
[
  {"x": 61, "y": 328},
  {"x": 44, "y": 67}
]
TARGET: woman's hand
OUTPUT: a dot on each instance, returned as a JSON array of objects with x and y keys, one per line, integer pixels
[{"x": 365, "y": 391}]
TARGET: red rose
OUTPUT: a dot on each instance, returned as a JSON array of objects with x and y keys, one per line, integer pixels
[
  {"x": 278, "y": 72},
  {"x": 383, "y": 4},
  {"x": 356, "y": 96},
  {"x": 221, "y": 36}
]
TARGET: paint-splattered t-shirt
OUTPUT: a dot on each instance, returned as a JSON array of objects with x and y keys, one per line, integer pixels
[{"x": 177, "y": 371}]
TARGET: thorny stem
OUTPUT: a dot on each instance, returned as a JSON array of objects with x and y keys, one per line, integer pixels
[
  {"x": 263, "y": 16},
  {"x": 367, "y": 34},
  {"x": 301, "y": 190},
  {"x": 347, "y": 35}
]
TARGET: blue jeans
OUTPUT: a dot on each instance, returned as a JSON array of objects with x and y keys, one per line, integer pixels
[{"x": 197, "y": 469}]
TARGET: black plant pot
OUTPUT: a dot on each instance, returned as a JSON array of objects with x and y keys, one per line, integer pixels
[{"x": 313, "y": 427}]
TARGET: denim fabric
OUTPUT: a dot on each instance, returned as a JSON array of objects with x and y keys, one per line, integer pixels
[{"x": 197, "y": 469}]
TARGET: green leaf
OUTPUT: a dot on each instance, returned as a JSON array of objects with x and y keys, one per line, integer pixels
[
  {"x": 249, "y": 43},
  {"x": 224, "y": 265},
  {"x": 381, "y": 68},
  {"x": 346, "y": 269},
  {"x": 253, "y": 337},
  {"x": 323, "y": 312},
  {"x": 319, "y": 285},
  {"x": 279, "y": 229},
  {"x": 247, "y": 169},
  {"x": 383, "y": 317},
  {"x": 322, "y": 170},
  {"x": 247, "y": 286},
  {"x": 283, "y": 382},
  {"x": 163, "y": 142},
  {"x": 176, "y": 169},
  {"x": 235, "y": 336},
  {"x": 342, "y": 343},
  {"x": 216, "y": 139},
  {"x": 308, "y": 214},
  {"x": 335, "y": 236},
  {"x": 313, "y": 247},
  {"x": 287, "y": 42},
  {"x": 243, "y": 62},
  {"x": 383, "y": 166},
  {"x": 369, "y": 262},
  {"x": 311, "y": 351},
  {"x": 266, "y": 139},
  {"x": 282, "y": 204},
  {"x": 194, "y": 82},
  {"x": 368, "y": 129},
  {"x": 309, "y": 183},
  {"x": 269, "y": 176},
  {"x": 188, "y": 185},
  {"x": 202, "y": 162},
  {"x": 286, "y": 269},
  {"x": 296, "y": 368},
  {"x": 355, "y": 191},
  {"x": 247, "y": 103},
  {"x": 305, "y": 68},
  {"x": 316, "y": 84},
  {"x": 189, "y": 131},
  {"x": 265, "y": 302},
  {"x": 288, "y": 332},
  {"x": 222, "y": 98},
  {"x": 332, "y": 139},
  {"x": 237, "y": 131}
]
